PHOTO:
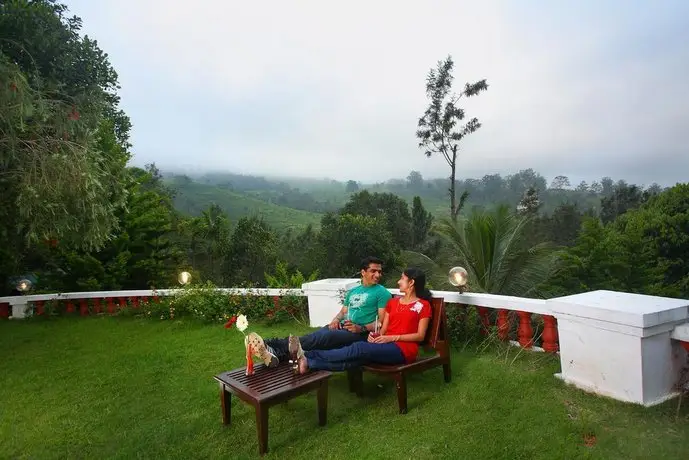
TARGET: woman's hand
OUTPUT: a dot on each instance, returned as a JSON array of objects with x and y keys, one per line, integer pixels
[{"x": 384, "y": 339}]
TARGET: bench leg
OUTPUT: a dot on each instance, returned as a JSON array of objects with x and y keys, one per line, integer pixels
[
  {"x": 401, "y": 382},
  {"x": 262, "y": 428},
  {"x": 447, "y": 372},
  {"x": 355, "y": 377},
  {"x": 225, "y": 405},
  {"x": 322, "y": 397}
]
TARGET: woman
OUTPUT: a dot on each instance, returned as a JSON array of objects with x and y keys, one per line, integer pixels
[{"x": 404, "y": 326}]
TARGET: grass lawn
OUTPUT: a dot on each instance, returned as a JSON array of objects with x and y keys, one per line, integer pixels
[{"x": 128, "y": 388}]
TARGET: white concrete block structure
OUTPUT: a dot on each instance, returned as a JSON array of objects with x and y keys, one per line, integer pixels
[{"x": 620, "y": 345}]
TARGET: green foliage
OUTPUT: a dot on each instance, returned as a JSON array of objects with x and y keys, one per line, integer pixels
[
  {"x": 643, "y": 250},
  {"x": 282, "y": 278},
  {"x": 205, "y": 303},
  {"x": 289, "y": 307},
  {"x": 253, "y": 248},
  {"x": 421, "y": 223},
  {"x": 346, "y": 239},
  {"x": 393, "y": 210},
  {"x": 209, "y": 242},
  {"x": 491, "y": 246}
]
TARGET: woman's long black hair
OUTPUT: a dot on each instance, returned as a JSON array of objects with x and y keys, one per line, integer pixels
[{"x": 419, "y": 278}]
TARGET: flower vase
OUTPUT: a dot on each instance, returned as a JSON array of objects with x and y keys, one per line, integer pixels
[{"x": 249, "y": 358}]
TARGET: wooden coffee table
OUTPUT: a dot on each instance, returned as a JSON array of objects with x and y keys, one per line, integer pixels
[{"x": 268, "y": 387}]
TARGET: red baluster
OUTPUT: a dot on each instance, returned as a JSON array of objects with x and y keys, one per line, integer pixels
[
  {"x": 96, "y": 305},
  {"x": 83, "y": 307},
  {"x": 503, "y": 324},
  {"x": 484, "y": 315},
  {"x": 550, "y": 337},
  {"x": 276, "y": 302},
  {"x": 111, "y": 305},
  {"x": 39, "y": 308},
  {"x": 122, "y": 301},
  {"x": 70, "y": 306},
  {"x": 134, "y": 301},
  {"x": 525, "y": 332},
  {"x": 4, "y": 310}
]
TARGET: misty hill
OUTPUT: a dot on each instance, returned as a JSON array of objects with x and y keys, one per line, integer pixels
[
  {"x": 297, "y": 202},
  {"x": 192, "y": 197}
]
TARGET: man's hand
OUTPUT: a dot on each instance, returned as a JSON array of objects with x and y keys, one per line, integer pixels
[
  {"x": 334, "y": 324},
  {"x": 351, "y": 327}
]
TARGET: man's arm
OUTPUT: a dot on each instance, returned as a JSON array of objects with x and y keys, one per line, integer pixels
[
  {"x": 335, "y": 323},
  {"x": 383, "y": 300}
]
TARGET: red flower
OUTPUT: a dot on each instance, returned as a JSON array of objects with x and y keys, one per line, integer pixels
[
  {"x": 13, "y": 86},
  {"x": 231, "y": 322}
]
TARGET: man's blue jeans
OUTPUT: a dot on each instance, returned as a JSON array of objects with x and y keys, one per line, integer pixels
[
  {"x": 320, "y": 339},
  {"x": 354, "y": 355}
]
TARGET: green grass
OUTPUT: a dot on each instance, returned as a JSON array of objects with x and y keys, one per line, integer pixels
[
  {"x": 194, "y": 197},
  {"x": 128, "y": 388}
]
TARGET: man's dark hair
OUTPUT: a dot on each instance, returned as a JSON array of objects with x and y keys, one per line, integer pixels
[{"x": 370, "y": 260}]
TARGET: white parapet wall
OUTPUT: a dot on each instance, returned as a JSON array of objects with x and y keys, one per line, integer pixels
[
  {"x": 619, "y": 345},
  {"x": 325, "y": 298}
]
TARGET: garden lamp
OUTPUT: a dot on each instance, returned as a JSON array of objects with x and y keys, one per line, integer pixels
[
  {"x": 24, "y": 285},
  {"x": 458, "y": 276},
  {"x": 184, "y": 278}
]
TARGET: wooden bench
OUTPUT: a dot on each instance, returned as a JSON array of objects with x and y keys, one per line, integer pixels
[
  {"x": 268, "y": 387},
  {"x": 436, "y": 342}
]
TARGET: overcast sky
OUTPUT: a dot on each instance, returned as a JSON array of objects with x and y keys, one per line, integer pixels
[{"x": 335, "y": 89}]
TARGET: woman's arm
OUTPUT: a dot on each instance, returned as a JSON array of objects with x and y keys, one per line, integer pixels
[
  {"x": 418, "y": 336},
  {"x": 384, "y": 327}
]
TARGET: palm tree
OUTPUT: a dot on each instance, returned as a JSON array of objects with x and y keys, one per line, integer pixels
[{"x": 492, "y": 246}]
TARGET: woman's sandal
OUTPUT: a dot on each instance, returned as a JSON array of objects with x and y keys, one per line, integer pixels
[{"x": 258, "y": 347}]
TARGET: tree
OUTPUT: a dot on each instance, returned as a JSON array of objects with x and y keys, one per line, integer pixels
[
  {"x": 440, "y": 128},
  {"x": 345, "y": 239},
  {"x": 252, "y": 251},
  {"x": 491, "y": 246},
  {"x": 351, "y": 187},
  {"x": 582, "y": 187},
  {"x": 141, "y": 254},
  {"x": 530, "y": 203},
  {"x": 623, "y": 198},
  {"x": 209, "y": 238},
  {"x": 390, "y": 208},
  {"x": 422, "y": 221},
  {"x": 63, "y": 142},
  {"x": 560, "y": 183},
  {"x": 415, "y": 180}
]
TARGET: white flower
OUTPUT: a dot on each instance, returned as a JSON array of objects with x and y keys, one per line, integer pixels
[{"x": 242, "y": 323}]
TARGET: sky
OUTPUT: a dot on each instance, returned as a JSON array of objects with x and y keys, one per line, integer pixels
[{"x": 332, "y": 89}]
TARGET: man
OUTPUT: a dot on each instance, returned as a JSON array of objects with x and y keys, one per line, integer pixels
[{"x": 364, "y": 305}]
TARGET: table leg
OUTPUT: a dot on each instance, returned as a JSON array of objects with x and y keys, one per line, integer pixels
[
  {"x": 262, "y": 428},
  {"x": 322, "y": 396},
  {"x": 225, "y": 404}
]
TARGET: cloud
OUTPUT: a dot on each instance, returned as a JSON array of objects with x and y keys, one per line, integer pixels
[{"x": 335, "y": 88}]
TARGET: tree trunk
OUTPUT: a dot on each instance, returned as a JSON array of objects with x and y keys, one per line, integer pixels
[{"x": 453, "y": 198}]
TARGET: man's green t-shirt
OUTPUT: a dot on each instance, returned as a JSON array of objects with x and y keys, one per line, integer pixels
[{"x": 363, "y": 302}]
